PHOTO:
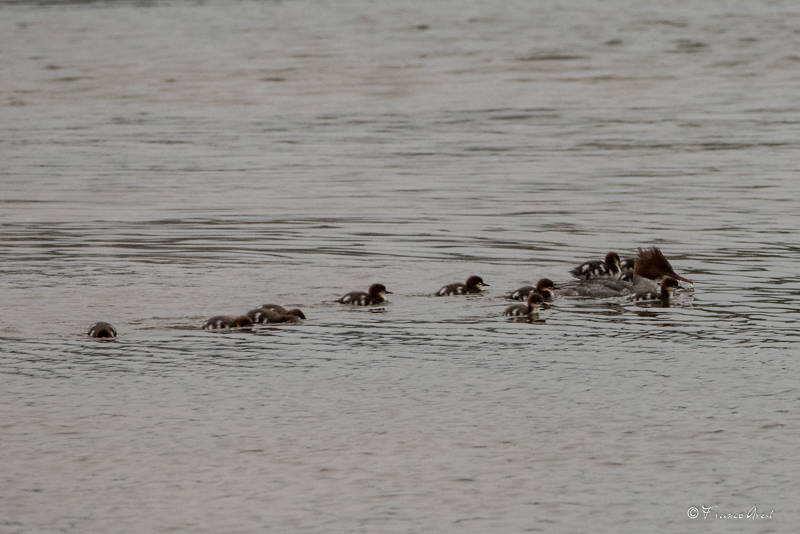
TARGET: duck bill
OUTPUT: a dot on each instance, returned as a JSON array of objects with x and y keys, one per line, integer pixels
[{"x": 682, "y": 279}]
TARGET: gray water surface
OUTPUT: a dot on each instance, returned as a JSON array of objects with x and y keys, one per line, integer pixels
[{"x": 166, "y": 162}]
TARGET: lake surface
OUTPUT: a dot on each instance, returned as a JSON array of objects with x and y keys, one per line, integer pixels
[{"x": 166, "y": 162}]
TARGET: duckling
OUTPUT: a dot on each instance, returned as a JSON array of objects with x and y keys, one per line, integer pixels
[
  {"x": 608, "y": 268},
  {"x": 534, "y": 301},
  {"x": 275, "y": 314},
  {"x": 376, "y": 294},
  {"x": 474, "y": 284},
  {"x": 668, "y": 287},
  {"x": 102, "y": 330},
  {"x": 226, "y": 322},
  {"x": 544, "y": 286}
]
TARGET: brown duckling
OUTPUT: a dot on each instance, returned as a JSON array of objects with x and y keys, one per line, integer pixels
[
  {"x": 376, "y": 294},
  {"x": 534, "y": 301},
  {"x": 544, "y": 287},
  {"x": 102, "y": 330},
  {"x": 668, "y": 287},
  {"x": 608, "y": 268},
  {"x": 275, "y": 314},
  {"x": 226, "y": 322},
  {"x": 474, "y": 284}
]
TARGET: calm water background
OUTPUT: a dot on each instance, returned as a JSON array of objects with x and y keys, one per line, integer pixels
[{"x": 165, "y": 162}]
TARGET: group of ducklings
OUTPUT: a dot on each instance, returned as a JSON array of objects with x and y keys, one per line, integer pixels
[
  {"x": 266, "y": 313},
  {"x": 650, "y": 266}
]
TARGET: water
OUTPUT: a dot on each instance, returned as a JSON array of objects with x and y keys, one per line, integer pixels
[{"x": 166, "y": 162}]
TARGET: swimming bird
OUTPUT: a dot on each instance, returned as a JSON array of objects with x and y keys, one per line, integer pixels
[
  {"x": 608, "y": 268},
  {"x": 102, "y": 330},
  {"x": 668, "y": 287},
  {"x": 652, "y": 265},
  {"x": 376, "y": 294},
  {"x": 474, "y": 284},
  {"x": 275, "y": 314},
  {"x": 649, "y": 269},
  {"x": 534, "y": 301},
  {"x": 226, "y": 322},
  {"x": 544, "y": 286}
]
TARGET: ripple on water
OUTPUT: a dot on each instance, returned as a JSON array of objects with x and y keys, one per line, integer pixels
[{"x": 313, "y": 152}]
